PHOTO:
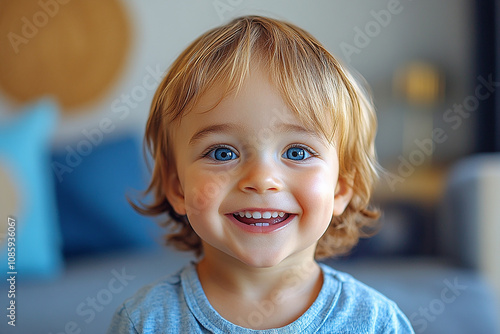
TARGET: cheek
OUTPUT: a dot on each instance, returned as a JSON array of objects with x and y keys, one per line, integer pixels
[
  {"x": 202, "y": 189},
  {"x": 315, "y": 192}
]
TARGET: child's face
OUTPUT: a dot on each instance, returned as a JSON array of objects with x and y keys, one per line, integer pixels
[{"x": 251, "y": 156}]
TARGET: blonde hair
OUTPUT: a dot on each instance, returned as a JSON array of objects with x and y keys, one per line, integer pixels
[{"x": 315, "y": 86}]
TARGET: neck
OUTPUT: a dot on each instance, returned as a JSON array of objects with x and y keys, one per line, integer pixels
[
  {"x": 297, "y": 275},
  {"x": 280, "y": 294}
]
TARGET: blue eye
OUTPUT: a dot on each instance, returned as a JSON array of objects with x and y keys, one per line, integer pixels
[
  {"x": 296, "y": 153},
  {"x": 222, "y": 154}
]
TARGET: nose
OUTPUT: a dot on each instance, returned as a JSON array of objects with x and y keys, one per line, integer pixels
[{"x": 260, "y": 177}]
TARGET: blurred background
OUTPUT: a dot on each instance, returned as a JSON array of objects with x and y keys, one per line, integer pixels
[{"x": 76, "y": 82}]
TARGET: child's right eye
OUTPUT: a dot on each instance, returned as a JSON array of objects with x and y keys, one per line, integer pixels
[{"x": 222, "y": 154}]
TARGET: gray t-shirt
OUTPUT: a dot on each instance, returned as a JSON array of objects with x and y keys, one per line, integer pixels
[{"x": 177, "y": 304}]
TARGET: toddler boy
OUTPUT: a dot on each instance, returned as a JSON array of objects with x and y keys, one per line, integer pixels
[{"x": 263, "y": 148}]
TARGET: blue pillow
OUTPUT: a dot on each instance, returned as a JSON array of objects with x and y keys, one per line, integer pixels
[
  {"x": 93, "y": 178},
  {"x": 29, "y": 189}
]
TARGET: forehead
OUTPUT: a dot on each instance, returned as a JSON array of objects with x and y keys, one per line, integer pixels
[{"x": 256, "y": 102}]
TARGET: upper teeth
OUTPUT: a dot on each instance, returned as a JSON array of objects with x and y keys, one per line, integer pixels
[{"x": 259, "y": 215}]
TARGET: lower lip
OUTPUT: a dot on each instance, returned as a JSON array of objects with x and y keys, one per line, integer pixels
[{"x": 261, "y": 229}]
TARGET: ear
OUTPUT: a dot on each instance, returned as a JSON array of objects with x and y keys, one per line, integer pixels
[
  {"x": 343, "y": 195},
  {"x": 173, "y": 190}
]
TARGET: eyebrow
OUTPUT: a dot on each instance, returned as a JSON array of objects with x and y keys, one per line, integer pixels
[
  {"x": 286, "y": 127},
  {"x": 216, "y": 128},
  {"x": 230, "y": 127}
]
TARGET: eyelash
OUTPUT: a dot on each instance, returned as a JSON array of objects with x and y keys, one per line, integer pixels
[
  {"x": 305, "y": 148},
  {"x": 215, "y": 147}
]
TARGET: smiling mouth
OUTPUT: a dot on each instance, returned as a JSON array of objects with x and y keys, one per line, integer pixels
[{"x": 257, "y": 218}]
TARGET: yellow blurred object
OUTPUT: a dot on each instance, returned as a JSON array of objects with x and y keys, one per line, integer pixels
[
  {"x": 72, "y": 50},
  {"x": 424, "y": 186},
  {"x": 419, "y": 83}
]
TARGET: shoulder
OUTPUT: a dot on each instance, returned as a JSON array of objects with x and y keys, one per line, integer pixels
[
  {"x": 374, "y": 312},
  {"x": 151, "y": 307},
  {"x": 351, "y": 288},
  {"x": 164, "y": 292}
]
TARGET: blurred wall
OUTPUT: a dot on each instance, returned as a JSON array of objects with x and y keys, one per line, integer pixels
[{"x": 359, "y": 32}]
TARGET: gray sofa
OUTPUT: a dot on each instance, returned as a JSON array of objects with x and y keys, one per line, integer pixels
[{"x": 441, "y": 293}]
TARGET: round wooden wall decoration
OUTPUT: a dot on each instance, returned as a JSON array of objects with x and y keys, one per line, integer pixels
[{"x": 71, "y": 49}]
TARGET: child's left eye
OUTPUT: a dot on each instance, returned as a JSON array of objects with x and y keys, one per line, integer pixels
[{"x": 296, "y": 153}]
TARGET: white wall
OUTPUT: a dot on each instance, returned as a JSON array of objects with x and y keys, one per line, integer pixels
[{"x": 437, "y": 31}]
